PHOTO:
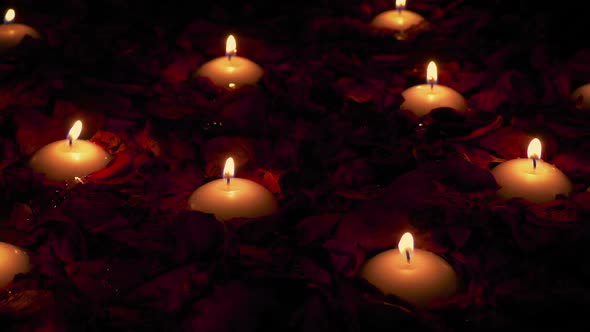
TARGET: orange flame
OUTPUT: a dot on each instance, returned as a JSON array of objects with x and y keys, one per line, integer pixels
[
  {"x": 406, "y": 244},
  {"x": 229, "y": 169},
  {"x": 400, "y": 4},
  {"x": 9, "y": 16},
  {"x": 231, "y": 46},
  {"x": 535, "y": 149},
  {"x": 74, "y": 133},
  {"x": 431, "y": 73}
]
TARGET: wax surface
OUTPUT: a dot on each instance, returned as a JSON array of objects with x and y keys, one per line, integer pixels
[
  {"x": 421, "y": 99},
  {"x": 12, "y": 34},
  {"x": 426, "y": 278},
  {"x": 13, "y": 260},
  {"x": 60, "y": 162},
  {"x": 517, "y": 178},
  {"x": 242, "y": 198},
  {"x": 231, "y": 74},
  {"x": 396, "y": 20},
  {"x": 583, "y": 92}
]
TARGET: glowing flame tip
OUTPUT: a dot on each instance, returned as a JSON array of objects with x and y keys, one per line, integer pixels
[
  {"x": 535, "y": 149},
  {"x": 9, "y": 16},
  {"x": 431, "y": 73},
  {"x": 74, "y": 133},
  {"x": 229, "y": 169},
  {"x": 400, "y": 4},
  {"x": 406, "y": 244},
  {"x": 231, "y": 46}
]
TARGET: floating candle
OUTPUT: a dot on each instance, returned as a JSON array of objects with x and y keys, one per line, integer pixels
[
  {"x": 231, "y": 71},
  {"x": 11, "y": 34},
  {"x": 416, "y": 276},
  {"x": 399, "y": 20},
  {"x": 531, "y": 178},
  {"x": 232, "y": 197},
  {"x": 13, "y": 260},
  {"x": 423, "y": 98},
  {"x": 69, "y": 159}
]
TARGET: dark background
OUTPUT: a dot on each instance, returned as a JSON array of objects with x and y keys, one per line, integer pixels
[{"x": 94, "y": 50}]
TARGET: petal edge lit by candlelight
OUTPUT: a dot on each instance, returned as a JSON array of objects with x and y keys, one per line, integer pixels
[
  {"x": 9, "y": 16},
  {"x": 431, "y": 73},
  {"x": 535, "y": 148},
  {"x": 74, "y": 133},
  {"x": 229, "y": 169}
]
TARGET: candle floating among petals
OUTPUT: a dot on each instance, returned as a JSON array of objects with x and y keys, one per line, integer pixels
[
  {"x": 399, "y": 20},
  {"x": 69, "y": 159},
  {"x": 423, "y": 98},
  {"x": 232, "y": 197},
  {"x": 416, "y": 276},
  {"x": 11, "y": 34},
  {"x": 531, "y": 178},
  {"x": 13, "y": 260},
  {"x": 231, "y": 71}
]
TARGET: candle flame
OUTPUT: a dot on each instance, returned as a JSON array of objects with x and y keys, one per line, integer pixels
[
  {"x": 229, "y": 169},
  {"x": 431, "y": 73},
  {"x": 74, "y": 133},
  {"x": 535, "y": 149},
  {"x": 9, "y": 16},
  {"x": 231, "y": 46},
  {"x": 406, "y": 245},
  {"x": 400, "y": 4}
]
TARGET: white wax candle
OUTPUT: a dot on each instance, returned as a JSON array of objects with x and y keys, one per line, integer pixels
[
  {"x": 13, "y": 260},
  {"x": 581, "y": 96},
  {"x": 518, "y": 178},
  {"x": 231, "y": 71},
  {"x": 423, "y": 98},
  {"x": 540, "y": 184},
  {"x": 62, "y": 161},
  {"x": 11, "y": 34},
  {"x": 397, "y": 20},
  {"x": 236, "y": 198},
  {"x": 422, "y": 279}
]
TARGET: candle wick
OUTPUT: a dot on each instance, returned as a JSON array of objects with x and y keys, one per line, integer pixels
[
  {"x": 431, "y": 85},
  {"x": 408, "y": 256},
  {"x": 229, "y": 55},
  {"x": 227, "y": 179},
  {"x": 70, "y": 141},
  {"x": 534, "y": 163}
]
